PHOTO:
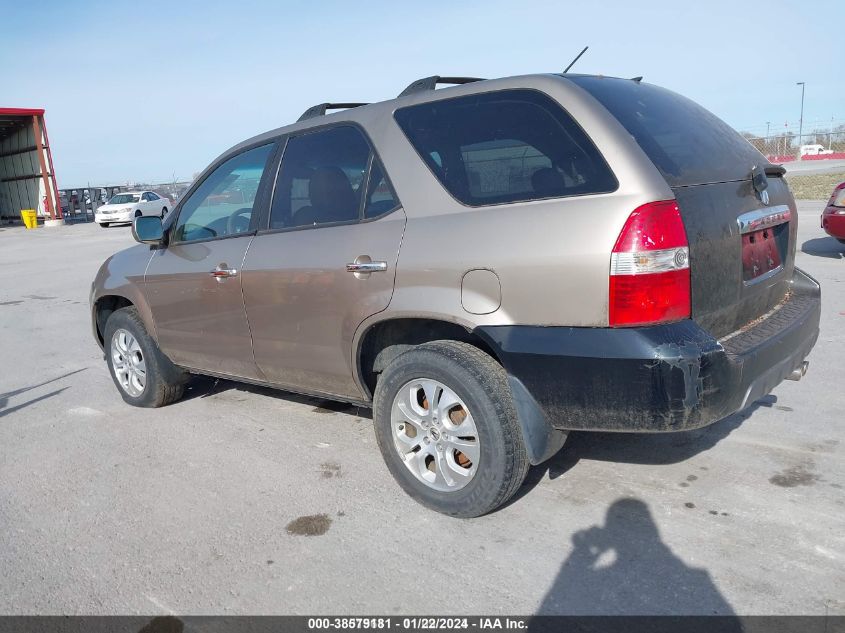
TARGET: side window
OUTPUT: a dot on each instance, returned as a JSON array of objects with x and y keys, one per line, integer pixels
[
  {"x": 321, "y": 178},
  {"x": 222, "y": 205},
  {"x": 505, "y": 146},
  {"x": 145, "y": 197},
  {"x": 152, "y": 197},
  {"x": 380, "y": 196}
]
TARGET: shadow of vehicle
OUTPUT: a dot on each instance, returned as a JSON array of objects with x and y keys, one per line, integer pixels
[
  {"x": 4, "y": 397},
  {"x": 206, "y": 387},
  {"x": 637, "y": 448},
  {"x": 824, "y": 247},
  {"x": 624, "y": 568}
]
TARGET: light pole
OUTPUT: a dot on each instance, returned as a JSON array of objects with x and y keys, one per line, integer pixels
[
  {"x": 801, "y": 120},
  {"x": 766, "y": 144}
]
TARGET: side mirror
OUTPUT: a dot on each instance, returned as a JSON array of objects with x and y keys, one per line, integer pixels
[{"x": 147, "y": 230}]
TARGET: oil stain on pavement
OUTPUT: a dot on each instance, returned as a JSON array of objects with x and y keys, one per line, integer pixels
[
  {"x": 310, "y": 525},
  {"x": 794, "y": 476},
  {"x": 330, "y": 469}
]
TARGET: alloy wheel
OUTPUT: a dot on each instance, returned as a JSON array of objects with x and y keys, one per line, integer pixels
[
  {"x": 435, "y": 434},
  {"x": 128, "y": 363}
]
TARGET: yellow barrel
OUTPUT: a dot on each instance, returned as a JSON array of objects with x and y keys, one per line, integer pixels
[{"x": 30, "y": 218}]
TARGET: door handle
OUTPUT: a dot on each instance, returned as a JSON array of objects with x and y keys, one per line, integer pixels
[
  {"x": 222, "y": 272},
  {"x": 366, "y": 267}
]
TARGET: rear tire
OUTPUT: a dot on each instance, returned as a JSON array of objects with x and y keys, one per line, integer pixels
[
  {"x": 477, "y": 385},
  {"x": 143, "y": 375},
  {"x": 163, "y": 212}
]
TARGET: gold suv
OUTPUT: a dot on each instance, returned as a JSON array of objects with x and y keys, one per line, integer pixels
[{"x": 488, "y": 266}]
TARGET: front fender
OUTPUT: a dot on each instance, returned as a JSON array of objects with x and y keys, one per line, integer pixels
[{"x": 121, "y": 279}]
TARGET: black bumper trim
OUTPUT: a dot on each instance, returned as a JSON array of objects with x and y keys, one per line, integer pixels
[{"x": 669, "y": 377}]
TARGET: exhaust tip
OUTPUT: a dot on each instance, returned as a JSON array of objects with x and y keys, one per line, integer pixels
[{"x": 799, "y": 372}]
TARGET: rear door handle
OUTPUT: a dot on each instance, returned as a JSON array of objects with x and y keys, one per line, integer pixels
[
  {"x": 223, "y": 272},
  {"x": 366, "y": 267}
]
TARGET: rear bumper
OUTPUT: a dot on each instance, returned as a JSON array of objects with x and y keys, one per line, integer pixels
[{"x": 663, "y": 378}]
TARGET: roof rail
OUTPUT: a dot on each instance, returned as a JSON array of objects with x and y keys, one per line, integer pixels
[
  {"x": 320, "y": 109},
  {"x": 430, "y": 83}
]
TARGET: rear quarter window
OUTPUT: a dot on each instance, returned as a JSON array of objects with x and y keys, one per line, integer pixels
[
  {"x": 688, "y": 144},
  {"x": 505, "y": 146}
]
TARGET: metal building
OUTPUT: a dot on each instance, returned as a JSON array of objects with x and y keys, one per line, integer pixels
[{"x": 27, "y": 176}]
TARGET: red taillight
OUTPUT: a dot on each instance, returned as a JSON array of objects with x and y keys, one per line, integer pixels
[
  {"x": 649, "y": 268},
  {"x": 838, "y": 197}
]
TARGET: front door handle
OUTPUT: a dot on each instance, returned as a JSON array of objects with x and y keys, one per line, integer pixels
[{"x": 366, "y": 267}]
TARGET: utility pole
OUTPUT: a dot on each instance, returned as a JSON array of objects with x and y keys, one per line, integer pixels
[
  {"x": 801, "y": 120},
  {"x": 830, "y": 136},
  {"x": 766, "y": 144}
]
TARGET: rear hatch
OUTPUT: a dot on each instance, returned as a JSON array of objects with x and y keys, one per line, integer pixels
[{"x": 738, "y": 212}]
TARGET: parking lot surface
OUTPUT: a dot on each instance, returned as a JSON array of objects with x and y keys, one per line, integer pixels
[{"x": 240, "y": 499}]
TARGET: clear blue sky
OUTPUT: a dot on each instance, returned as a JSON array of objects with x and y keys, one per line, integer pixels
[{"x": 142, "y": 90}]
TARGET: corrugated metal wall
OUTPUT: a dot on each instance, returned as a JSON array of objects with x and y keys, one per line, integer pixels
[{"x": 18, "y": 193}]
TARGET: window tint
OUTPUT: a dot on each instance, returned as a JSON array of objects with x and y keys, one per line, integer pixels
[
  {"x": 321, "y": 178},
  {"x": 505, "y": 146},
  {"x": 380, "y": 196},
  {"x": 152, "y": 197},
  {"x": 687, "y": 144},
  {"x": 145, "y": 197},
  {"x": 223, "y": 204}
]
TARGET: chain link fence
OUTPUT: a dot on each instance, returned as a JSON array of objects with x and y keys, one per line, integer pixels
[
  {"x": 789, "y": 147},
  {"x": 80, "y": 204}
]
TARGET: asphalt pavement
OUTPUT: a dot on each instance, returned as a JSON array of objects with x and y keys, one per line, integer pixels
[
  {"x": 814, "y": 167},
  {"x": 245, "y": 500}
]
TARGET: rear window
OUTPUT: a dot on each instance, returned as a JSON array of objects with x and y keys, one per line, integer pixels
[
  {"x": 688, "y": 144},
  {"x": 506, "y": 146}
]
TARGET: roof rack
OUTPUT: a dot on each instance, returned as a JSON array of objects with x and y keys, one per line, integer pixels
[
  {"x": 320, "y": 109},
  {"x": 430, "y": 83}
]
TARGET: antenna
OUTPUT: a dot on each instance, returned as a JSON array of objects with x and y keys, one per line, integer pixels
[{"x": 572, "y": 63}]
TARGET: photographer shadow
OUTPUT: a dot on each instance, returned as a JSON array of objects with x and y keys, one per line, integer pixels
[{"x": 624, "y": 568}]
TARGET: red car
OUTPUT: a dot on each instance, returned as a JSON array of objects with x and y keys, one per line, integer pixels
[{"x": 833, "y": 217}]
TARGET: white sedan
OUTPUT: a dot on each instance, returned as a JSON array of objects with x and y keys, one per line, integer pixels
[{"x": 128, "y": 205}]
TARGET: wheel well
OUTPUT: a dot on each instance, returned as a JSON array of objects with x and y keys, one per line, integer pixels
[
  {"x": 105, "y": 306},
  {"x": 386, "y": 340}
]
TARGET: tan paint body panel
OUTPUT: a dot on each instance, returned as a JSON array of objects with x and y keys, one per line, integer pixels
[
  {"x": 304, "y": 307},
  {"x": 122, "y": 275},
  {"x": 200, "y": 320}
]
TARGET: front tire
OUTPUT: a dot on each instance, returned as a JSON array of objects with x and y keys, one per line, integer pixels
[
  {"x": 447, "y": 428},
  {"x": 143, "y": 375}
]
